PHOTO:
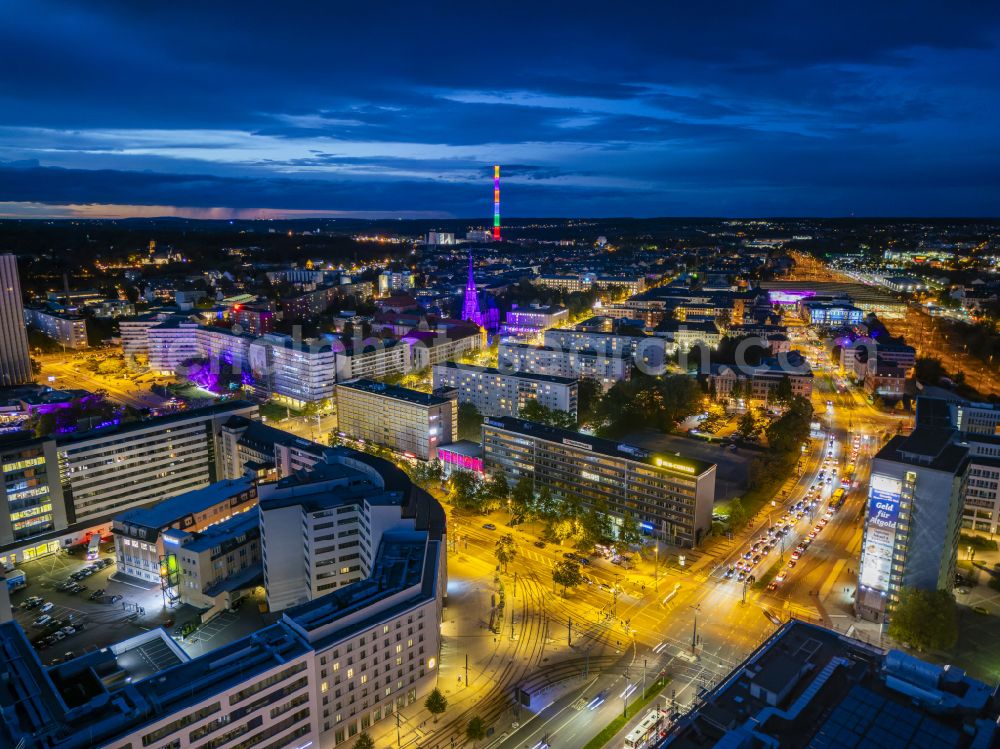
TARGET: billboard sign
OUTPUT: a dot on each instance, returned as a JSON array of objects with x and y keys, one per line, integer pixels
[{"x": 880, "y": 531}]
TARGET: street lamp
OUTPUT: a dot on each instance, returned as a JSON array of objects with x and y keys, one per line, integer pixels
[{"x": 694, "y": 631}]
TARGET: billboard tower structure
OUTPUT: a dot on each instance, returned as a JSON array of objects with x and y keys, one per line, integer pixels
[{"x": 496, "y": 202}]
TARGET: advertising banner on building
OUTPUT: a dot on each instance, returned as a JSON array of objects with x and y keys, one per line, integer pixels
[{"x": 880, "y": 531}]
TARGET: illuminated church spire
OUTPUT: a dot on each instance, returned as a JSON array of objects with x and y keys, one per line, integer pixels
[{"x": 470, "y": 301}]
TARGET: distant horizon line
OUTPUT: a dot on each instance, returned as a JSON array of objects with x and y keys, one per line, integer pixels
[{"x": 39, "y": 211}]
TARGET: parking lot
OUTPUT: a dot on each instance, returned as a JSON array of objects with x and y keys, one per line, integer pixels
[
  {"x": 127, "y": 607},
  {"x": 121, "y": 611}
]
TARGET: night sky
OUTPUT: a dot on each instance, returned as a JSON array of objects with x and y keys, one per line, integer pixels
[{"x": 593, "y": 109}]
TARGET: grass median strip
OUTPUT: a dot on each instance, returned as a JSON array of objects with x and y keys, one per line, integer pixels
[
  {"x": 618, "y": 723},
  {"x": 767, "y": 577}
]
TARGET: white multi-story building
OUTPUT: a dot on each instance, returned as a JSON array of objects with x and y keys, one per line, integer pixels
[
  {"x": 586, "y": 281},
  {"x": 107, "y": 471},
  {"x": 440, "y": 237},
  {"x": 92, "y": 476},
  {"x": 172, "y": 343},
  {"x": 408, "y": 421},
  {"x": 139, "y": 544},
  {"x": 134, "y": 332},
  {"x": 64, "y": 328},
  {"x": 377, "y": 361},
  {"x": 215, "y": 567},
  {"x": 293, "y": 371},
  {"x": 430, "y": 347},
  {"x": 390, "y": 282},
  {"x": 606, "y": 369},
  {"x": 496, "y": 393},
  {"x": 534, "y": 319},
  {"x": 642, "y": 349}
]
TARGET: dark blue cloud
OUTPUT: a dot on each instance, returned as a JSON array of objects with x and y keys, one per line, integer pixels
[{"x": 694, "y": 109}]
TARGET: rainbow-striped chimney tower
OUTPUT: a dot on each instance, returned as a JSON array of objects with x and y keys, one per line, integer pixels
[{"x": 496, "y": 202}]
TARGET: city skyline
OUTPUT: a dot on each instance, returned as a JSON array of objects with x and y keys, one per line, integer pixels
[{"x": 770, "y": 111}]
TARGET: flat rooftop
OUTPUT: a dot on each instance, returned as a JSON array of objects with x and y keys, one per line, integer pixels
[
  {"x": 927, "y": 447},
  {"x": 105, "y": 695},
  {"x": 395, "y": 392},
  {"x": 216, "y": 409},
  {"x": 672, "y": 463},
  {"x": 808, "y": 687},
  {"x": 171, "y": 510},
  {"x": 494, "y": 372}
]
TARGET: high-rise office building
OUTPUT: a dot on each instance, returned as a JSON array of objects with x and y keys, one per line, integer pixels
[
  {"x": 15, "y": 364},
  {"x": 914, "y": 518}
]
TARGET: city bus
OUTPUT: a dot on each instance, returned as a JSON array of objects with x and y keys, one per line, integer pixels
[
  {"x": 94, "y": 546},
  {"x": 651, "y": 728}
]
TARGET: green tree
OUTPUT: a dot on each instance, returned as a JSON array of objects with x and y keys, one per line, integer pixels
[
  {"x": 746, "y": 427},
  {"x": 567, "y": 574},
  {"x": 475, "y": 729},
  {"x": 504, "y": 550},
  {"x": 786, "y": 434},
  {"x": 436, "y": 703},
  {"x": 737, "y": 514},
  {"x": 470, "y": 422},
  {"x": 926, "y": 619},
  {"x": 363, "y": 741},
  {"x": 465, "y": 490},
  {"x": 929, "y": 370},
  {"x": 629, "y": 534},
  {"x": 521, "y": 498},
  {"x": 783, "y": 390},
  {"x": 588, "y": 394},
  {"x": 496, "y": 487}
]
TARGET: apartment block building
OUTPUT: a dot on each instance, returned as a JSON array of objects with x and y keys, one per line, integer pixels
[
  {"x": 64, "y": 328},
  {"x": 404, "y": 420},
  {"x": 293, "y": 371},
  {"x": 669, "y": 495},
  {"x": 977, "y": 427},
  {"x": 139, "y": 533},
  {"x": 379, "y": 360},
  {"x": 98, "y": 474},
  {"x": 390, "y": 282},
  {"x": 428, "y": 348},
  {"x": 606, "y": 369},
  {"x": 496, "y": 393}
]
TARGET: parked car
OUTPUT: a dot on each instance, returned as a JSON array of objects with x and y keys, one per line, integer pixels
[
  {"x": 47, "y": 607},
  {"x": 41, "y": 621},
  {"x": 32, "y": 603},
  {"x": 97, "y": 594},
  {"x": 489, "y": 526}
]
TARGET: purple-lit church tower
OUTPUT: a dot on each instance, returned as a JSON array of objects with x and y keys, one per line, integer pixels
[
  {"x": 470, "y": 301},
  {"x": 485, "y": 314}
]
